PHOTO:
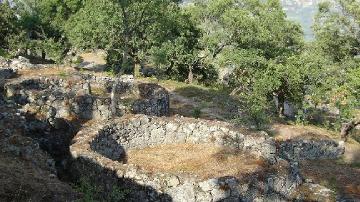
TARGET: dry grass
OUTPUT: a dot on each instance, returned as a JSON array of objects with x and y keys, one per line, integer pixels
[
  {"x": 99, "y": 91},
  {"x": 94, "y": 57},
  {"x": 339, "y": 177},
  {"x": 201, "y": 161},
  {"x": 286, "y": 132},
  {"x": 53, "y": 71}
]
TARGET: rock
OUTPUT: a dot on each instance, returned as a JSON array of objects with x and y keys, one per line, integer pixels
[
  {"x": 173, "y": 181},
  {"x": 203, "y": 197},
  {"x": 4, "y": 63},
  {"x": 208, "y": 185},
  {"x": 7, "y": 73},
  {"x": 183, "y": 193},
  {"x": 311, "y": 149},
  {"x": 220, "y": 193},
  {"x": 154, "y": 101}
]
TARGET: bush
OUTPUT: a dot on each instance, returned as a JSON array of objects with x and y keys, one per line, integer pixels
[
  {"x": 4, "y": 53},
  {"x": 92, "y": 192},
  {"x": 196, "y": 113},
  {"x": 114, "y": 62}
]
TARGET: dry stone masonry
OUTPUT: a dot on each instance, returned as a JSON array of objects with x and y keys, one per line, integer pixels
[
  {"x": 73, "y": 98},
  {"x": 104, "y": 146},
  {"x": 103, "y": 149},
  {"x": 99, "y": 149}
]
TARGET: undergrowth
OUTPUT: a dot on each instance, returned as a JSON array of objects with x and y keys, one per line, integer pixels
[{"x": 93, "y": 193}]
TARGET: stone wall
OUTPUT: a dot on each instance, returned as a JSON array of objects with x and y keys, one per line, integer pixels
[
  {"x": 154, "y": 100},
  {"x": 311, "y": 149},
  {"x": 4, "y": 63},
  {"x": 71, "y": 97},
  {"x": 143, "y": 131},
  {"x": 7, "y": 73},
  {"x": 102, "y": 146}
]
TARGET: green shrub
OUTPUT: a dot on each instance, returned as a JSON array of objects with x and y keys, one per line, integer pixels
[
  {"x": 4, "y": 53},
  {"x": 196, "y": 112},
  {"x": 63, "y": 74},
  {"x": 92, "y": 192}
]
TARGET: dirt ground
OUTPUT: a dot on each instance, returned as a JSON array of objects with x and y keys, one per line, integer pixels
[
  {"x": 203, "y": 161},
  {"x": 23, "y": 180}
]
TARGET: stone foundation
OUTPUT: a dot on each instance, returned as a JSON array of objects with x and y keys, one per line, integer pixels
[
  {"x": 103, "y": 146},
  {"x": 73, "y": 98},
  {"x": 311, "y": 149}
]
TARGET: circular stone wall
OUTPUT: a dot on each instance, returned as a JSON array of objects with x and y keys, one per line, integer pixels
[
  {"x": 137, "y": 132},
  {"x": 106, "y": 147}
]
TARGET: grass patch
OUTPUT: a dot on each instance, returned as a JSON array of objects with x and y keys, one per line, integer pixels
[
  {"x": 4, "y": 54},
  {"x": 63, "y": 74},
  {"x": 203, "y": 161},
  {"x": 196, "y": 112},
  {"x": 98, "y": 91},
  {"x": 92, "y": 192}
]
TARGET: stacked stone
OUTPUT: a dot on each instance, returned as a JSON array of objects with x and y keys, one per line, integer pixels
[
  {"x": 294, "y": 150},
  {"x": 154, "y": 101},
  {"x": 103, "y": 146}
]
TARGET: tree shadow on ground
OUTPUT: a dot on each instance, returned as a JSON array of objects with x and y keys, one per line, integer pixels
[
  {"x": 343, "y": 178},
  {"x": 206, "y": 103}
]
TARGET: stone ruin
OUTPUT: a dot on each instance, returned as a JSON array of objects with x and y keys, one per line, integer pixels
[
  {"x": 73, "y": 98},
  {"x": 101, "y": 150}
]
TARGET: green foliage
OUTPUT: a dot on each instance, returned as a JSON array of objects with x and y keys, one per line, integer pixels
[
  {"x": 63, "y": 74},
  {"x": 336, "y": 31},
  {"x": 4, "y": 53},
  {"x": 53, "y": 49},
  {"x": 8, "y": 23},
  {"x": 92, "y": 192},
  {"x": 95, "y": 25},
  {"x": 88, "y": 190},
  {"x": 252, "y": 37},
  {"x": 37, "y": 25},
  {"x": 196, "y": 112},
  {"x": 257, "y": 40},
  {"x": 126, "y": 29}
]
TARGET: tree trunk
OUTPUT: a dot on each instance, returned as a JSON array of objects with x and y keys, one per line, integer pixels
[
  {"x": 137, "y": 67},
  {"x": 88, "y": 88},
  {"x": 190, "y": 76},
  {"x": 347, "y": 127},
  {"x": 113, "y": 97},
  {"x": 43, "y": 54},
  {"x": 125, "y": 61},
  {"x": 235, "y": 91},
  {"x": 281, "y": 102}
]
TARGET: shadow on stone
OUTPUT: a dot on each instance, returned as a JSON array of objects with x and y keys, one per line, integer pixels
[
  {"x": 105, "y": 145},
  {"x": 84, "y": 106},
  {"x": 154, "y": 100},
  {"x": 111, "y": 187}
]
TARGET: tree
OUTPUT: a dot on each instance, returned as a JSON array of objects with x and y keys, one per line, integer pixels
[
  {"x": 330, "y": 64},
  {"x": 255, "y": 39},
  {"x": 40, "y": 25},
  {"x": 8, "y": 23},
  {"x": 178, "y": 57},
  {"x": 125, "y": 28},
  {"x": 337, "y": 31}
]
